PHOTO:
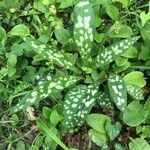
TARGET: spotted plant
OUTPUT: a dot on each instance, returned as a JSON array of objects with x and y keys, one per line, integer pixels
[
  {"x": 21, "y": 87},
  {"x": 50, "y": 53},
  {"x": 73, "y": 74},
  {"x": 76, "y": 107},
  {"x": 41, "y": 79},
  {"x": 112, "y": 52},
  {"x": 117, "y": 91},
  {"x": 83, "y": 28},
  {"x": 79, "y": 100},
  {"x": 78, "y": 103},
  {"x": 134, "y": 91},
  {"x": 104, "y": 100},
  {"x": 45, "y": 89}
]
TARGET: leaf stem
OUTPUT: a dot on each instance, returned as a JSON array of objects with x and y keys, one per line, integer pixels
[{"x": 51, "y": 134}]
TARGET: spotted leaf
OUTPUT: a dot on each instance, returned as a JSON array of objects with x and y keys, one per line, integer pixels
[
  {"x": 83, "y": 27},
  {"x": 117, "y": 91},
  {"x": 78, "y": 103},
  {"x": 112, "y": 129},
  {"x": 134, "y": 91},
  {"x": 50, "y": 53},
  {"x": 45, "y": 89},
  {"x": 104, "y": 100},
  {"x": 112, "y": 52},
  {"x": 21, "y": 87},
  {"x": 40, "y": 79}
]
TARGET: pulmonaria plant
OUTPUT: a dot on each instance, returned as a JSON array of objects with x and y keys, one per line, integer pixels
[
  {"x": 83, "y": 28},
  {"x": 78, "y": 103},
  {"x": 134, "y": 91},
  {"x": 117, "y": 91},
  {"x": 50, "y": 53},
  {"x": 45, "y": 89},
  {"x": 104, "y": 100},
  {"x": 112, "y": 52},
  {"x": 80, "y": 98}
]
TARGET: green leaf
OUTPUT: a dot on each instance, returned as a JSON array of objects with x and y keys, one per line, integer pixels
[
  {"x": 119, "y": 69},
  {"x": 144, "y": 131},
  {"x": 112, "y": 12},
  {"x": 135, "y": 92},
  {"x": 20, "y": 30},
  {"x": 147, "y": 107},
  {"x": 104, "y": 100},
  {"x": 100, "y": 37},
  {"x": 55, "y": 117},
  {"x": 22, "y": 87},
  {"x": 136, "y": 78},
  {"x": 67, "y": 3},
  {"x": 97, "y": 122},
  {"x": 2, "y": 36},
  {"x": 50, "y": 134},
  {"x": 112, "y": 52},
  {"x": 62, "y": 35},
  {"x": 39, "y": 141},
  {"x": 139, "y": 144},
  {"x": 77, "y": 105},
  {"x": 3, "y": 72},
  {"x": 98, "y": 77},
  {"x": 119, "y": 30},
  {"x": 121, "y": 61},
  {"x": 14, "y": 118},
  {"x": 50, "y": 53},
  {"x": 101, "y": 2},
  {"x": 87, "y": 70},
  {"x": 118, "y": 146},
  {"x": 30, "y": 75},
  {"x": 46, "y": 112},
  {"x": 135, "y": 114},
  {"x": 33, "y": 147},
  {"x": 112, "y": 130},
  {"x": 97, "y": 137},
  {"x": 144, "y": 17},
  {"x": 49, "y": 142},
  {"x": 43, "y": 90},
  {"x": 105, "y": 147},
  {"x": 20, "y": 145},
  {"x": 40, "y": 6},
  {"x": 145, "y": 32},
  {"x": 117, "y": 91},
  {"x": 10, "y": 3},
  {"x": 47, "y": 2},
  {"x": 17, "y": 50},
  {"x": 125, "y": 3},
  {"x": 131, "y": 53},
  {"x": 83, "y": 28},
  {"x": 144, "y": 53},
  {"x": 97, "y": 21},
  {"x": 11, "y": 63}
]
